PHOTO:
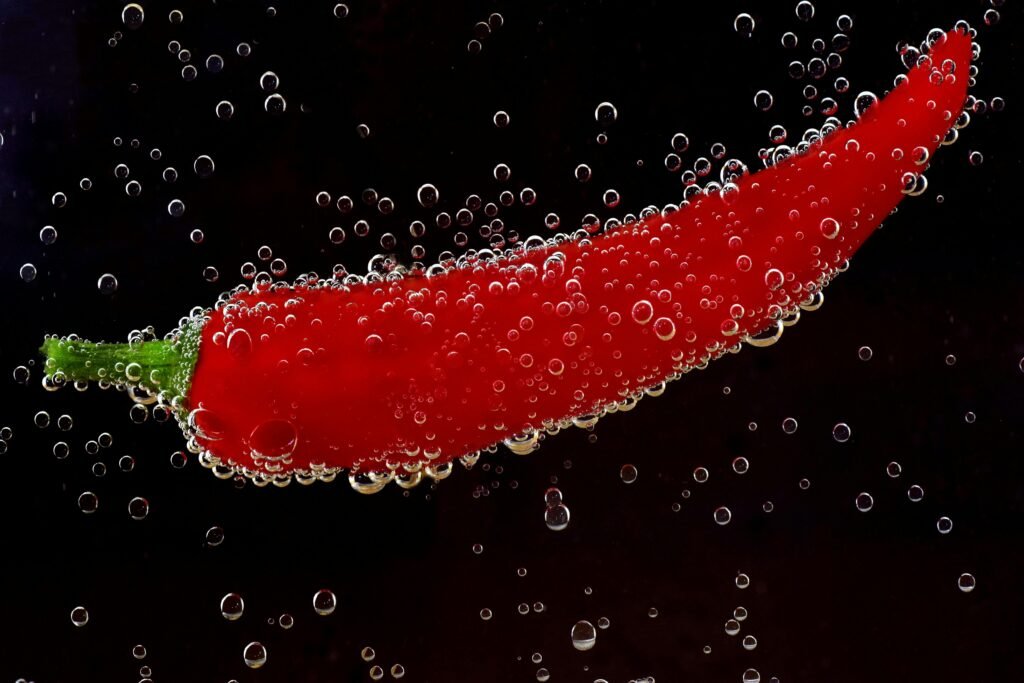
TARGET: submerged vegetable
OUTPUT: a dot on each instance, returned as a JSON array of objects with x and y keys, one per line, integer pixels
[{"x": 394, "y": 376}]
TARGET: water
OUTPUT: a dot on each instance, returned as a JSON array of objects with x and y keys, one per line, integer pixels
[{"x": 144, "y": 548}]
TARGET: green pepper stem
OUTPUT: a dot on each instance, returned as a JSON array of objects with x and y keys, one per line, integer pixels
[{"x": 160, "y": 366}]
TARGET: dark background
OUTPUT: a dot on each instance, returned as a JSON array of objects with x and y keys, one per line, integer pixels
[{"x": 836, "y": 595}]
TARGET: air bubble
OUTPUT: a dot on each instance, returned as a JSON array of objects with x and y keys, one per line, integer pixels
[
  {"x": 88, "y": 502},
  {"x": 841, "y": 432},
  {"x": 606, "y": 113},
  {"x": 254, "y": 655},
  {"x": 324, "y": 602},
  {"x": 275, "y": 104},
  {"x": 232, "y": 606},
  {"x": 214, "y": 63},
  {"x": 427, "y": 195},
  {"x": 138, "y": 508},
  {"x": 133, "y": 15},
  {"x": 556, "y": 517},
  {"x": 722, "y": 515},
  {"x": 176, "y": 208},
  {"x": 224, "y": 110},
  {"x": 583, "y": 635},
  {"x": 107, "y": 284},
  {"x": 744, "y": 24},
  {"x": 79, "y": 616}
]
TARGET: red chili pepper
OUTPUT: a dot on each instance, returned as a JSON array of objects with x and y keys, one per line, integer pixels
[{"x": 393, "y": 377}]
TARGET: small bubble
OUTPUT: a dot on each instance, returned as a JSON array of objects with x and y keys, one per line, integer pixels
[
  {"x": 865, "y": 353},
  {"x": 324, "y": 602},
  {"x": 628, "y": 474},
  {"x": 275, "y": 104},
  {"x": 139, "y": 652},
  {"x": 804, "y": 10},
  {"x": 763, "y": 100},
  {"x": 176, "y": 208},
  {"x": 21, "y": 374},
  {"x": 203, "y": 166},
  {"x": 427, "y": 195},
  {"x": 88, "y": 502},
  {"x": 556, "y": 517},
  {"x": 722, "y": 515},
  {"x": 214, "y": 63},
  {"x": 501, "y": 119},
  {"x": 606, "y": 113},
  {"x": 132, "y": 15},
  {"x": 254, "y": 655},
  {"x": 28, "y": 272},
  {"x": 864, "y": 501},
  {"x": 966, "y": 582},
  {"x": 48, "y": 235},
  {"x": 224, "y": 110},
  {"x": 944, "y": 525},
  {"x": 841, "y": 432},
  {"x": 79, "y": 616},
  {"x": 232, "y": 606},
  {"x": 107, "y": 284},
  {"x": 138, "y": 508},
  {"x": 744, "y": 24},
  {"x": 214, "y": 536},
  {"x": 583, "y": 635}
]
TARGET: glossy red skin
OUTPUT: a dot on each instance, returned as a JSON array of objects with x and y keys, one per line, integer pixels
[{"x": 444, "y": 341}]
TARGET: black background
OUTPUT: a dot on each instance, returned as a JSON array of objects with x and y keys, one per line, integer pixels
[{"x": 836, "y": 595}]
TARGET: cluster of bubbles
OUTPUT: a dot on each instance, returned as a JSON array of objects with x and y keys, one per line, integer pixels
[
  {"x": 556, "y": 513},
  {"x": 482, "y": 30},
  {"x": 275, "y": 441}
]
